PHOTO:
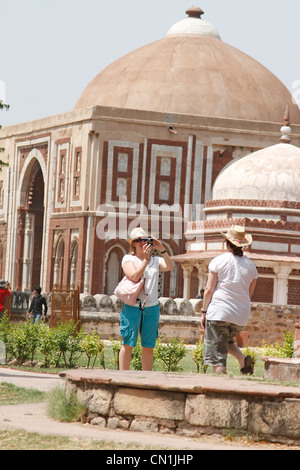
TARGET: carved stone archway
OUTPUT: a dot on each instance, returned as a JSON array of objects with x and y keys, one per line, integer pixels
[{"x": 30, "y": 228}]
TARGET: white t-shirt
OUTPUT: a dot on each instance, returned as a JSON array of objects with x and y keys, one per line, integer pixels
[
  {"x": 151, "y": 275},
  {"x": 231, "y": 301}
]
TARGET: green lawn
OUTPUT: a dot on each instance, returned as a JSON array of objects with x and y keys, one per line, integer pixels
[
  {"x": 186, "y": 364},
  {"x": 12, "y": 395}
]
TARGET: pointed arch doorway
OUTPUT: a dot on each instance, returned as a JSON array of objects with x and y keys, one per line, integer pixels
[{"x": 31, "y": 225}]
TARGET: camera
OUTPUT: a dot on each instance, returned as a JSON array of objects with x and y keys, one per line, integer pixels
[{"x": 147, "y": 240}]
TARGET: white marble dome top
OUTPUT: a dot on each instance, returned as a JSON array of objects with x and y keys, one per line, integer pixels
[
  {"x": 271, "y": 174},
  {"x": 193, "y": 26}
]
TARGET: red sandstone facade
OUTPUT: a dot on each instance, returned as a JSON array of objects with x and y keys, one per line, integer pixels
[{"x": 144, "y": 151}]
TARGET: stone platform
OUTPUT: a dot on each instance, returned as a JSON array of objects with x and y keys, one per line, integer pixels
[
  {"x": 189, "y": 405},
  {"x": 283, "y": 369}
]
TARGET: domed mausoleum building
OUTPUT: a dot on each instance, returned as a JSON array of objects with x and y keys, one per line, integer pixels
[
  {"x": 261, "y": 193},
  {"x": 148, "y": 143}
]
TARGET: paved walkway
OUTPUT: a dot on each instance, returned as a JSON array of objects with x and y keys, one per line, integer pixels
[{"x": 33, "y": 418}]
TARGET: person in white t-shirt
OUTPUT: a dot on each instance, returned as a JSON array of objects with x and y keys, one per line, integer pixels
[
  {"x": 143, "y": 317},
  {"x": 226, "y": 303}
]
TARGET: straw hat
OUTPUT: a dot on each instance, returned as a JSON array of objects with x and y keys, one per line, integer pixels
[{"x": 237, "y": 236}]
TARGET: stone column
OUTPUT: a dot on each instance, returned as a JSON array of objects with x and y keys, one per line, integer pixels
[
  {"x": 28, "y": 252},
  {"x": 202, "y": 274},
  {"x": 88, "y": 254},
  {"x": 187, "y": 270},
  {"x": 281, "y": 284}
]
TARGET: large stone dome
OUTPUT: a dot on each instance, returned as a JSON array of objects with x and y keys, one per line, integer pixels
[
  {"x": 270, "y": 174},
  {"x": 191, "y": 71}
]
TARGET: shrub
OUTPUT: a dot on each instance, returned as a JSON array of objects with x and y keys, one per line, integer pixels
[
  {"x": 289, "y": 344},
  {"x": 198, "y": 357},
  {"x": 67, "y": 343},
  {"x": 47, "y": 347},
  {"x": 5, "y": 327},
  {"x": 22, "y": 341},
  {"x": 93, "y": 347},
  {"x": 136, "y": 357},
  {"x": 278, "y": 350},
  {"x": 170, "y": 353},
  {"x": 116, "y": 347}
]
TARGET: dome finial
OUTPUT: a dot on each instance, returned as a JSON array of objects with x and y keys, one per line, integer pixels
[
  {"x": 194, "y": 12},
  {"x": 286, "y": 130},
  {"x": 193, "y": 25}
]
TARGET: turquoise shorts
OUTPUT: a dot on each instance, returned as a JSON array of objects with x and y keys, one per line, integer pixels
[{"x": 134, "y": 321}]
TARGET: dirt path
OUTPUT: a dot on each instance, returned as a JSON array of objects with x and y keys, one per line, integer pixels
[{"x": 33, "y": 418}]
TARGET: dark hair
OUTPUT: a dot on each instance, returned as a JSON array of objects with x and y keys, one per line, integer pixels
[
  {"x": 236, "y": 250},
  {"x": 38, "y": 289}
]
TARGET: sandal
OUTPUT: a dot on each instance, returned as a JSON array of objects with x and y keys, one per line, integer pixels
[{"x": 248, "y": 367}]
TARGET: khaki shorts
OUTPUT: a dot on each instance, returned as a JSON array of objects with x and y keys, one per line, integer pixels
[{"x": 218, "y": 336}]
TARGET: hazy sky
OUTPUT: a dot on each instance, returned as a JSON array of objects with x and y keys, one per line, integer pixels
[{"x": 51, "y": 49}]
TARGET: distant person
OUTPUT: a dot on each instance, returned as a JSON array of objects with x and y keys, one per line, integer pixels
[
  {"x": 36, "y": 307},
  {"x": 5, "y": 291},
  {"x": 200, "y": 296},
  {"x": 226, "y": 304}
]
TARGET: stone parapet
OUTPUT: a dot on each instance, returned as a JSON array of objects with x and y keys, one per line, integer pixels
[
  {"x": 182, "y": 318},
  {"x": 188, "y": 405},
  {"x": 283, "y": 369},
  {"x": 178, "y": 318}
]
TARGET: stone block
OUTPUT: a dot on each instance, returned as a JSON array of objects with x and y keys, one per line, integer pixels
[
  {"x": 143, "y": 426},
  {"x": 99, "y": 422},
  {"x": 202, "y": 410},
  {"x": 184, "y": 307},
  {"x": 97, "y": 400},
  {"x": 167, "y": 306},
  {"x": 275, "y": 419},
  {"x": 117, "y": 422},
  {"x": 104, "y": 302},
  {"x": 283, "y": 369},
  {"x": 152, "y": 403}
]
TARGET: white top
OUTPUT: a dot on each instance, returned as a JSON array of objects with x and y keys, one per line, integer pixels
[
  {"x": 231, "y": 301},
  {"x": 151, "y": 275}
]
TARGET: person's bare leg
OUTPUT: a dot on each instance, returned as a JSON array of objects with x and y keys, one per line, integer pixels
[
  {"x": 125, "y": 357},
  {"x": 235, "y": 351},
  {"x": 219, "y": 370},
  {"x": 147, "y": 358}
]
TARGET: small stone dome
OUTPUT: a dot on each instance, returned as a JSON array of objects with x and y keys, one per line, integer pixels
[
  {"x": 271, "y": 174},
  {"x": 191, "y": 71}
]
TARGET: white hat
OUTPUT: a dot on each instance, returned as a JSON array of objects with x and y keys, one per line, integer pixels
[{"x": 137, "y": 232}]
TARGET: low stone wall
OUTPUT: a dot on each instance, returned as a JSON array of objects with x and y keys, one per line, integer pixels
[
  {"x": 187, "y": 329},
  {"x": 269, "y": 322},
  {"x": 182, "y": 318},
  {"x": 282, "y": 369},
  {"x": 187, "y": 405},
  {"x": 179, "y": 318}
]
